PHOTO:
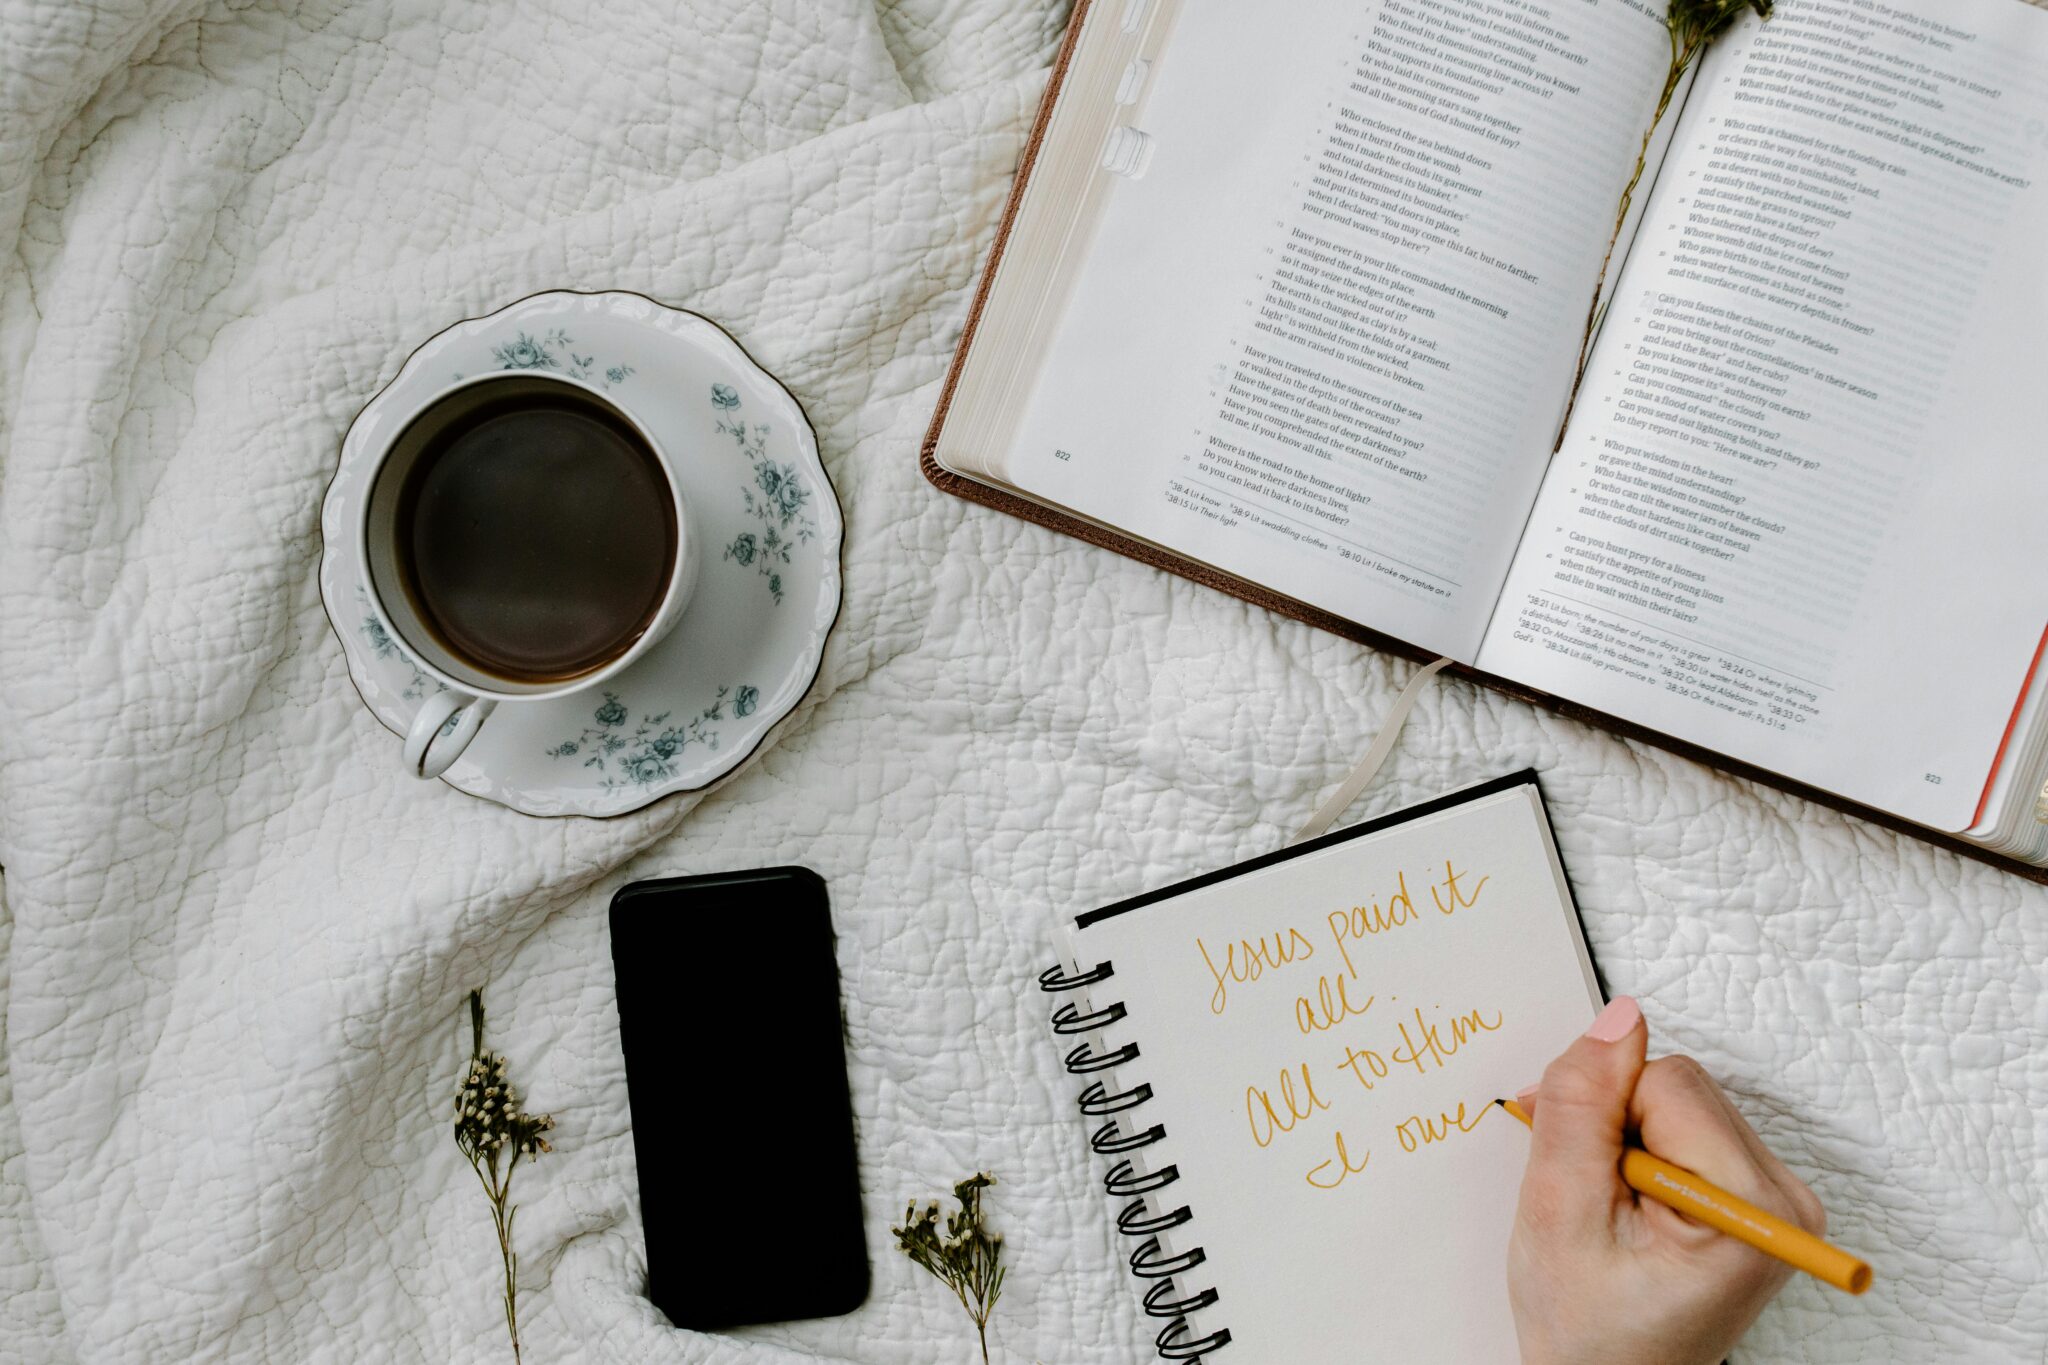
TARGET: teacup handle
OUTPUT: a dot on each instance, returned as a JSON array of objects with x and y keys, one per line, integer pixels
[{"x": 427, "y": 751}]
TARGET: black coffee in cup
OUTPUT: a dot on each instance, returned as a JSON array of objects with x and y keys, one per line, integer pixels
[{"x": 535, "y": 533}]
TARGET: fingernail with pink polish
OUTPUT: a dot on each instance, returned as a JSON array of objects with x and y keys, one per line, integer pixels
[{"x": 1615, "y": 1022}]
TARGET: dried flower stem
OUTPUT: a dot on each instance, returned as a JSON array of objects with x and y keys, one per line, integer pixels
[
  {"x": 493, "y": 1133},
  {"x": 1690, "y": 25},
  {"x": 966, "y": 1257}
]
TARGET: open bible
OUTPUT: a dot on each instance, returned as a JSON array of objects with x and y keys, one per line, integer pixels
[{"x": 1294, "y": 302}]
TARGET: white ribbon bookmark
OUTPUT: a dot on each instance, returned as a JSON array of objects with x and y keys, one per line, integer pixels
[{"x": 1368, "y": 767}]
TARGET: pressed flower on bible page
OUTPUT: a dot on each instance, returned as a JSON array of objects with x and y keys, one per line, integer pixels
[{"x": 1692, "y": 26}]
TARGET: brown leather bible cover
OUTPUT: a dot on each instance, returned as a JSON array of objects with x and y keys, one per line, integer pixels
[{"x": 974, "y": 491}]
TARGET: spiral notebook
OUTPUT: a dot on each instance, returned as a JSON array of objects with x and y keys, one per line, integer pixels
[{"x": 1290, "y": 1065}]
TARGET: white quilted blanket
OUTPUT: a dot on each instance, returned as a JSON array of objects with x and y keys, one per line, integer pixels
[{"x": 239, "y": 939}]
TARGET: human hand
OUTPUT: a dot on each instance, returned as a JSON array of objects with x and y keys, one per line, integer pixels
[{"x": 1598, "y": 1275}]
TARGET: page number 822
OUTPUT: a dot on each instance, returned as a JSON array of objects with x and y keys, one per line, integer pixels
[{"x": 1932, "y": 779}]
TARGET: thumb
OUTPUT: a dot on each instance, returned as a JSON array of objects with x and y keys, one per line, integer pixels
[{"x": 1582, "y": 1114}]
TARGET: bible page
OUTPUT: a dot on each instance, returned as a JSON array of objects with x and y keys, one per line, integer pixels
[
  {"x": 1324, "y": 332},
  {"x": 1798, "y": 514}
]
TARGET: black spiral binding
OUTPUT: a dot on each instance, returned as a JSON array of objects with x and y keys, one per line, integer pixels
[{"x": 1141, "y": 1218}]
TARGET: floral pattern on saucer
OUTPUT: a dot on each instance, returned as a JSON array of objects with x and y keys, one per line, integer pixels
[
  {"x": 552, "y": 351},
  {"x": 651, "y": 752},
  {"x": 776, "y": 496},
  {"x": 768, "y": 528}
]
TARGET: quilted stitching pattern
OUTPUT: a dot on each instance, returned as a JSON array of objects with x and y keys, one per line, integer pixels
[{"x": 237, "y": 938}]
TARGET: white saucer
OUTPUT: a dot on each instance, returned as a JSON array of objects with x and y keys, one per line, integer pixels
[{"x": 702, "y": 701}]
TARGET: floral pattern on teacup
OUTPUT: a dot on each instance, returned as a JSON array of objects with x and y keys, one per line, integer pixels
[{"x": 384, "y": 647}]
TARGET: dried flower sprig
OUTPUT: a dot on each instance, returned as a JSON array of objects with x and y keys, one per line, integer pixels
[
  {"x": 966, "y": 1257},
  {"x": 1692, "y": 26},
  {"x": 494, "y": 1133}
]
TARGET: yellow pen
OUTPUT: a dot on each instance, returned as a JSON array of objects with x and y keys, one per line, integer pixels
[{"x": 1677, "y": 1188}]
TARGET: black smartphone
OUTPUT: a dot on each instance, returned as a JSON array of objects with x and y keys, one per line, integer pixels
[{"x": 742, "y": 1121}]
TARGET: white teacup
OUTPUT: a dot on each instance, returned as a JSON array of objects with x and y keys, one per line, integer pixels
[{"x": 450, "y": 719}]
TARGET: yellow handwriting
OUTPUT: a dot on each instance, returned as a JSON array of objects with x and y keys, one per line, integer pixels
[
  {"x": 1416, "y": 1131},
  {"x": 1358, "y": 1063},
  {"x": 1329, "y": 1008},
  {"x": 1460, "y": 899},
  {"x": 1362, "y": 920},
  {"x": 1435, "y": 1042},
  {"x": 1249, "y": 959},
  {"x": 1343, "y": 1160},
  {"x": 1258, "y": 1102}
]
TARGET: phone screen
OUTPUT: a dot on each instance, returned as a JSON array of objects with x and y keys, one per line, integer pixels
[{"x": 742, "y": 1122}]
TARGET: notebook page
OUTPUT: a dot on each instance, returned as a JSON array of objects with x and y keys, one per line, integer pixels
[
  {"x": 1798, "y": 516},
  {"x": 1323, "y": 341},
  {"x": 1324, "y": 1037}
]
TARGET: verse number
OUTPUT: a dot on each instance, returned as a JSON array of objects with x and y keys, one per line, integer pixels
[{"x": 1933, "y": 779}]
